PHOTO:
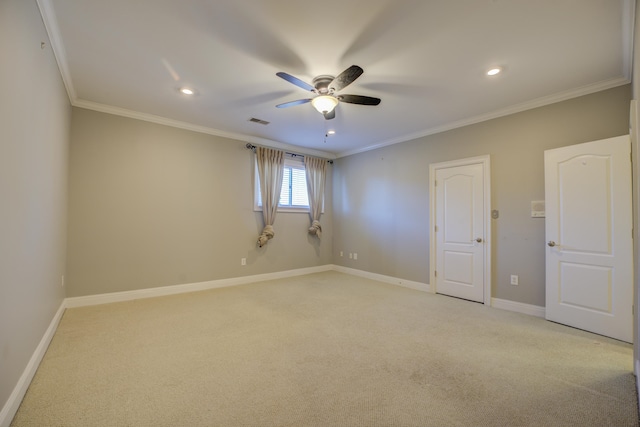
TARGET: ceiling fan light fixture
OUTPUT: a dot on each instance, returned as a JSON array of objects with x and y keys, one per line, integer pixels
[{"x": 324, "y": 103}]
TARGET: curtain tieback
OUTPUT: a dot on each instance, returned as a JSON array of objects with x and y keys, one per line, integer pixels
[
  {"x": 315, "y": 228},
  {"x": 267, "y": 234}
]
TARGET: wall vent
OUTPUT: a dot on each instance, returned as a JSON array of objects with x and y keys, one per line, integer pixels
[{"x": 262, "y": 122}]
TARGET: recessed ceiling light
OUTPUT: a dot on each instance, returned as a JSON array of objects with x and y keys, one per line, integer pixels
[
  {"x": 494, "y": 71},
  {"x": 187, "y": 91},
  {"x": 331, "y": 132}
]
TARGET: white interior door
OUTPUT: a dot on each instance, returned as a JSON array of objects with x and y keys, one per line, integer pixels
[
  {"x": 460, "y": 230},
  {"x": 589, "y": 264}
]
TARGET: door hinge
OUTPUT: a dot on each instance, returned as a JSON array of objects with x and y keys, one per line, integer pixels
[
  {"x": 435, "y": 228},
  {"x": 435, "y": 182},
  {"x": 435, "y": 273}
]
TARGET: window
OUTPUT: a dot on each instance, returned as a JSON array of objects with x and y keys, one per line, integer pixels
[
  {"x": 293, "y": 197},
  {"x": 294, "y": 188}
]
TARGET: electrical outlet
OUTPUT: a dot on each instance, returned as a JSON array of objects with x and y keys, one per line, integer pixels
[
  {"x": 243, "y": 261},
  {"x": 514, "y": 279},
  {"x": 341, "y": 253},
  {"x": 350, "y": 255},
  {"x": 62, "y": 281},
  {"x": 355, "y": 255}
]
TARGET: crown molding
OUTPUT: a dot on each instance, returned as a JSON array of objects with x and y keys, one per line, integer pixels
[
  {"x": 109, "y": 109},
  {"x": 53, "y": 32},
  {"x": 517, "y": 108}
]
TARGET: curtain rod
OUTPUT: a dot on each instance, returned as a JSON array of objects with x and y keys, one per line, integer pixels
[{"x": 252, "y": 147}]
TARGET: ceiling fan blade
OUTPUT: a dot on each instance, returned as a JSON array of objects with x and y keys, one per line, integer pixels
[
  {"x": 330, "y": 115},
  {"x": 345, "y": 78},
  {"x": 296, "y": 81},
  {"x": 292, "y": 103},
  {"x": 359, "y": 99}
]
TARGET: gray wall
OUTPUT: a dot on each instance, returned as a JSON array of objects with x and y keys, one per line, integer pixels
[
  {"x": 381, "y": 197},
  {"x": 34, "y": 133},
  {"x": 152, "y": 206}
]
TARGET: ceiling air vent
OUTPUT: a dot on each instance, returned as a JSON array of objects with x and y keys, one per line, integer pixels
[{"x": 262, "y": 122}]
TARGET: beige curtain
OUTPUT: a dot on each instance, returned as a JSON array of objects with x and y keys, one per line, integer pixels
[
  {"x": 270, "y": 171},
  {"x": 316, "y": 170}
]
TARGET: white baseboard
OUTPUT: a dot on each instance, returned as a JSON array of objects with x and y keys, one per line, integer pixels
[
  {"x": 13, "y": 403},
  {"x": 531, "y": 310},
  {"x": 382, "y": 278},
  {"x": 189, "y": 287},
  {"x": 88, "y": 300}
]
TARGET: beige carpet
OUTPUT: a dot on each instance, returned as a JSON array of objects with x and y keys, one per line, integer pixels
[{"x": 326, "y": 349}]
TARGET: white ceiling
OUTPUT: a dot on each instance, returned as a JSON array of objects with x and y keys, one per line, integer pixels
[{"x": 426, "y": 60}]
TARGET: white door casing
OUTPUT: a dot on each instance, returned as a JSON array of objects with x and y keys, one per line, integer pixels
[
  {"x": 460, "y": 261},
  {"x": 589, "y": 251}
]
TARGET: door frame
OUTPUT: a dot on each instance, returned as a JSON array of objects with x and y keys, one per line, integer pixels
[{"x": 485, "y": 161}]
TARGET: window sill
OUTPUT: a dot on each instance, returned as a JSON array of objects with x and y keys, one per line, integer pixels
[{"x": 287, "y": 210}]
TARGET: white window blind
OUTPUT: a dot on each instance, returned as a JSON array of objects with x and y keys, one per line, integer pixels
[{"x": 293, "y": 196}]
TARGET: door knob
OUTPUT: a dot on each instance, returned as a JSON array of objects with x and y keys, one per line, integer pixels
[
  {"x": 551, "y": 243},
  {"x": 479, "y": 240}
]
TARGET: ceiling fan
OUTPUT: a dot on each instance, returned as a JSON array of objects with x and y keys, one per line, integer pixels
[{"x": 325, "y": 88}]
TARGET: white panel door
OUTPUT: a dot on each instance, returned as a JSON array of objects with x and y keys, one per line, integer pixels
[
  {"x": 589, "y": 264},
  {"x": 460, "y": 234}
]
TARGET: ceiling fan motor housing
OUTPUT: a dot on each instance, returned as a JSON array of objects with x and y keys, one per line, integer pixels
[{"x": 321, "y": 83}]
